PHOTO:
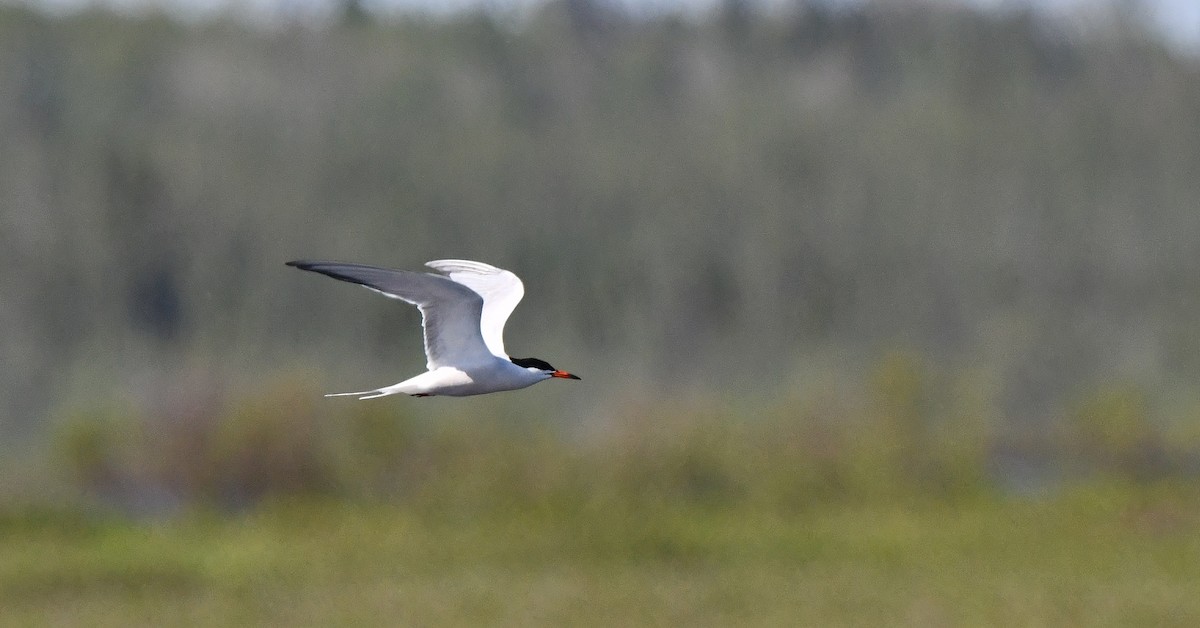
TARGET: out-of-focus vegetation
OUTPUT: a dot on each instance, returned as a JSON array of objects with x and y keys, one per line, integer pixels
[
  {"x": 1091, "y": 557},
  {"x": 809, "y": 512},
  {"x": 715, "y": 203},
  {"x": 885, "y": 314},
  {"x": 912, "y": 439},
  {"x": 821, "y": 510}
]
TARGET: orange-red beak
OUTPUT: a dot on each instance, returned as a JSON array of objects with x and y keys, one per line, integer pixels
[{"x": 563, "y": 375}]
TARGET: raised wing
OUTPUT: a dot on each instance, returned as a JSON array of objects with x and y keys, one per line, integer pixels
[
  {"x": 501, "y": 291},
  {"x": 451, "y": 310}
]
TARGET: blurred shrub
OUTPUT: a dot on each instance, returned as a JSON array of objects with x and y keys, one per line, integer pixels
[
  {"x": 380, "y": 453},
  {"x": 226, "y": 454},
  {"x": 274, "y": 442},
  {"x": 1112, "y": 432},
  {"x": 98, "y": 445},
  {"x": 909, "y": 432},
  {"x": 928, "y": 428}
]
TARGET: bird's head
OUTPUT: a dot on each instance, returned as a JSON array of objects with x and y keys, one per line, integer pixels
[{"x": 541, "y": 366}]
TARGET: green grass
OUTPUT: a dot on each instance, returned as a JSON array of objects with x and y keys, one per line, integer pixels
[
  {"x": 820, "y": 514},
  {"x": 1102, "y": 556}
]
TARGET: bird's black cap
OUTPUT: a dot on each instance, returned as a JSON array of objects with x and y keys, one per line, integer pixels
[{"x": 543, "y": 365}]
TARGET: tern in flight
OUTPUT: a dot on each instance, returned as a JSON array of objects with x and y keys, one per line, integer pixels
[{"x": 464, "y": 310}]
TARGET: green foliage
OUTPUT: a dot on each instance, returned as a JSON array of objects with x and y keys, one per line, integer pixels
[
  {"x": 96, "y": 445},
  {"x": 1091, "y": 556},
  {"x": 228, "y": 455},
  {"x": 923, "y": 436},
  {"x": 680, "y": 195},
  {"x": 271, "y": 443},
  {"x": 728, "y": 223},
  {"x": 1114, "y": 432}
]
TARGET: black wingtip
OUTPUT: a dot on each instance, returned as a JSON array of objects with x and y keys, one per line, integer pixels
[{"x": 304, "y": 264}]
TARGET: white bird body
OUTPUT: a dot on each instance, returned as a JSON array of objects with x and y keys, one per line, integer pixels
[
  {"x": 455, "y": 382},
  {"x": 463, "y": 314}
]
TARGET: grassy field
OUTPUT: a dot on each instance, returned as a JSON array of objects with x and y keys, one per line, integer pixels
[
  {"x": 288, "y": 511},
  {"x": 1108, "y": 555}
]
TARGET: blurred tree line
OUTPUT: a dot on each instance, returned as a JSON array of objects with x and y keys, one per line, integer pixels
[{"x": 696, "y": 203}]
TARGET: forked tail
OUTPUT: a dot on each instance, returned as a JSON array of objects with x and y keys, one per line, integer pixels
[
  {"x": 372, "y": 394},
  {"x": 365, "y": 394}
]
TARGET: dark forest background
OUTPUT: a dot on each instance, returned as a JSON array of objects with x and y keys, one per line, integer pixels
[{"x": 720, "y": 204}]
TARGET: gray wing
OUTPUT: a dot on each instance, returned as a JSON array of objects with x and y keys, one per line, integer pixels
[
  {"x": 451, "y": 311},
  {"x": 501, "y": 291}
]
